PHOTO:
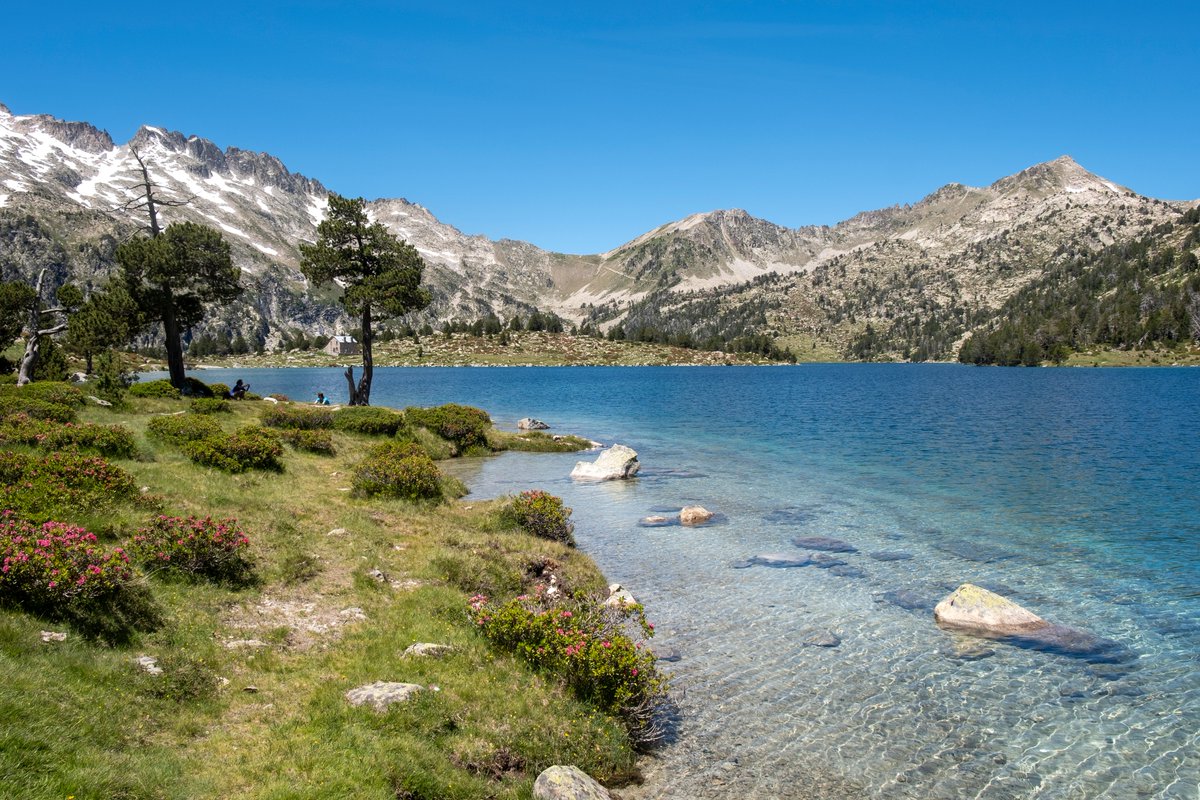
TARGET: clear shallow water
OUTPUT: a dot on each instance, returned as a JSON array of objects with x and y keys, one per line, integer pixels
[{"x": 1073, "y": 491}]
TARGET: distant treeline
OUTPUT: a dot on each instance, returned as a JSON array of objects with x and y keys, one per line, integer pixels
[{"x": 1127, "y": 296}]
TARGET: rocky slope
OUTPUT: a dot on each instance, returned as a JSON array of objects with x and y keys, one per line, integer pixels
[{"x": 918, "y": 275}]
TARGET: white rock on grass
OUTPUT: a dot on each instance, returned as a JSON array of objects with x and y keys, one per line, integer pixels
[
  {"x": 567, "y": 783},
  {"x": 149, "y": 665},
  {"x": 616, "y": 463},
  {"x": 381, "y": 694},
  {"x": 54, "y": 636},
  {"x": 428, "y": 649}
]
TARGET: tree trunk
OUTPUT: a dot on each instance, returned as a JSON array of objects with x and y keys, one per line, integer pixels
[
  {"x": 368, "y": 339},
  {"x": 174, "y": 347},
  {"x": 353, "y": 389},
  {"x": 33, "y": 342}
]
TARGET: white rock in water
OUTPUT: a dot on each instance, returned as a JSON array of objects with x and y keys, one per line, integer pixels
[
  {"x": 531, "y": 424},
  {"x": 615, "y": 463},
  {"x": 694, "y": 515},
  {"x": 974, "y": 608}
]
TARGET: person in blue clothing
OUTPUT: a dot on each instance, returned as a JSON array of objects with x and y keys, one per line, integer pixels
[{"x": 321, "y": 400}]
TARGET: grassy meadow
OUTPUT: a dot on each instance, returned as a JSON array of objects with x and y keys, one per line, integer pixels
[{"x": 251, "y": 701}]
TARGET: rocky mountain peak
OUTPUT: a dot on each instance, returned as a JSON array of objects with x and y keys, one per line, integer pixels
[
  {"x": 4, "y": 112},
  {"x": 1063, "y": 174}
]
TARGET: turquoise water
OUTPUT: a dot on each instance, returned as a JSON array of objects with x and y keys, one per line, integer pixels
[{"x": 1072, "y": 490}]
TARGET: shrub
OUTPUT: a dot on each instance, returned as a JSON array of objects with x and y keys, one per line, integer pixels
[
  {"x": 248, "y": 448},
  {"x": 542, "y": 514},
  {"x": 195, "y": 547},
  {"x": 60, "y": 572},
  {"x": 12, "y": 403},
  {"x": 179, "y": 429},
  {"x": 107, "y": 440},
  {"x": 465, "y": 427},
  {"x": 61, "y": 484},
  {"x": 209, "y": 405},
  {"x": 219, "y": 390},
  {"x": 319, "y": 442},
  {"x": 110, "y": 381},
  {"x": 56, "y": 392},
  {"x": 536, "y": 442},
  {"x": 369, "y": 420},
  {"x": 588, "y": 647},
  {"x": 297, "y": 417},
  {"x": 159, "y": 388},
  {"x": 398, "y": 469},
  {"x": 196, "y": 388}
]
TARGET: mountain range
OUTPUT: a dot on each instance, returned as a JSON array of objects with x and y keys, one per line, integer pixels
[{"x": 929, "y": 272}]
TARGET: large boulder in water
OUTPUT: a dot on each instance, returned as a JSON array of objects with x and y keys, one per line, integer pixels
[
  {"x": 615, "y": 463},
  {"x": 694, "y": 515},
  {"x": 531, "y": 424},
  {"x": 975, "y": 609},
  {"x": 567, "y": 783}
]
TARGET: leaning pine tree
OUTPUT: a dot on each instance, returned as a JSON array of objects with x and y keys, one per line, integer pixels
[{"x": 380, "y": 275}]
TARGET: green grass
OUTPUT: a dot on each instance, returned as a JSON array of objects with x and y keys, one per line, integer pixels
[{"x": 80, "y": 719}]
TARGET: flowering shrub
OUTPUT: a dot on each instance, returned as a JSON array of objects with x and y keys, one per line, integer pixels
[
  {"x": 369, "y": 420},
  {"x": 159, "y": 388},
  {"x": 209, "y": 405},
  {"x": 59, "y": 571},
  {"x": 463, "y": 426},
  {"x": 56, "y": 392},
  {"x": 179, "y": 429},
  {"x": 248, "y": 448},
  {"x": 297, "y": 417},
  {"x": 319, "y": 442},
  {"x": 107, "y": 440},
  {"x": 195, "y": 547},
  {"x": 64, "y": 483},
  {"x": 588, "y": 647},
  {"x": 13, "y": 404},
  {"x": 542, "y": 514},
  {"x": 398, "y": 469}
]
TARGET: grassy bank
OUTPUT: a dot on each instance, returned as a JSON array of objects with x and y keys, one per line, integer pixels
[{"x": 251, "y": 700}]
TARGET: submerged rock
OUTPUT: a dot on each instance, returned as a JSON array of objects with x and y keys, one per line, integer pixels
[
  {"x": 567, "y": 783},
  {"x": 821, "y": 639},
  {"x": 975, "y": 551},
  {"x": 655, "y": 521},
  {"x": 826, "y": 561},
  {"x": 890, "y": 555},
  {"x": 826, "y": 543},
  {"x": 616, "y": 463},
  {"x": 848, "y": 571},
  {"x": 908, "y": 600},
  {"x": 781, "y": 560},
  {"x": 694, "y": 515}
]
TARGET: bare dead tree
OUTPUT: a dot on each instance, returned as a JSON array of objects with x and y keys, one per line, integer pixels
[
  {"x": 34, "y": 329},
  {"x": 146, "y": 199}
]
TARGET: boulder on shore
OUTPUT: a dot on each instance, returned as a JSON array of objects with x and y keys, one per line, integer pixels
[
  {"x": 974, "y": 608},
  {"x": 531, "y": 424},
  {"x": 616, "y": 463},
  {"x": 567, "y": 783},
  {"x": 694, "y": 515}
]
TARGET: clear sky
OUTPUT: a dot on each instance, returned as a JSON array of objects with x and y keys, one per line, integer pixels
[{"x": 578, "y": 126}]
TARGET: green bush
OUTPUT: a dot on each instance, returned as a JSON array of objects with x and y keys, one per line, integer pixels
[
  {"x": 11, "y": 404},
  {"x": 587, "y": 647},
  {"x": 179, "y": 429},
  {"x": 194, "y": 547},
  {"x": 463, "y": 426},
  {"x": 543, "y": 515},
  {"x": 219, "y": 390},
  {"x": 159, "y": 388},
  {"x": 536, "y": 442},
  {"x": 296, "y": 417},
  {"x": 56, "y": 392},
  {"x": 398, "y": 469},
  {"x": 62, "y": 573},
  {"x": 61, "y": 485},
  {"x": 114, "y": 441},
  {"x": 248, "y": 448},
  {"x": 209, "y": 405},
  {"x": 369, "y": 420},
  {"x": 196, "y": 388},
  {"x": 319, "y": 442}
]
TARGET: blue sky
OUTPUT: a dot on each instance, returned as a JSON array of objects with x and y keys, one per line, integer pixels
[{"x": 578, "y": 126}]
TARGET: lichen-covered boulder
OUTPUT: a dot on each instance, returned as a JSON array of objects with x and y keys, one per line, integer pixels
[
  {"x": 381, "y": 694},
  {"x": 616, "y": 463},
  {"x": 694, "y": 515},
  {"x": 428, "y": 650},
  {"x": 567, "y": 783},
  {"x": 974, "y": 608}
]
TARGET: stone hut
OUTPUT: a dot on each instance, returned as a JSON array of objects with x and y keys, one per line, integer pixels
[{"x": 341, "y": 345}]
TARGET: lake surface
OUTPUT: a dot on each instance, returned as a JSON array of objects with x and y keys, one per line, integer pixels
[{"x": 1073, "y": 491}]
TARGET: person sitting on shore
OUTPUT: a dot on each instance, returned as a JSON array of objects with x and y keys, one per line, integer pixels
[
  {"x": 321, "y": 400},
  {"x": 238, "y": 392}
]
